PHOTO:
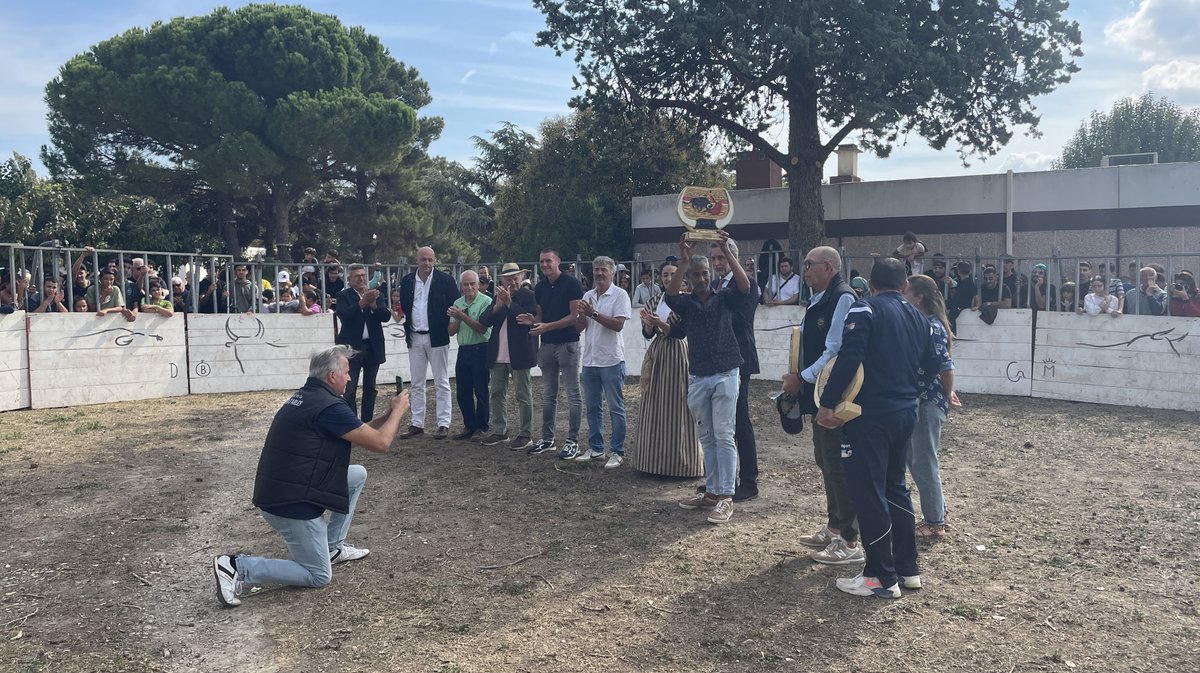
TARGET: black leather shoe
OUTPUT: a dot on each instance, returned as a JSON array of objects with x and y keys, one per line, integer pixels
[{"x": 745, "y": 491}]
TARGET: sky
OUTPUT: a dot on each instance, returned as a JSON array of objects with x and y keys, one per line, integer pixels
[{"x": 483, "y": 69}]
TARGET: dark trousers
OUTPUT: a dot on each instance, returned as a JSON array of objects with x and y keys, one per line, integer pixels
[
  {"x": 471, "y": 379},
  {"x": 363, "y": 363},
  {"x": 827, "y": 448},
  {"x": 743, "y": 435},
  {"x": 875, "y": 458}
]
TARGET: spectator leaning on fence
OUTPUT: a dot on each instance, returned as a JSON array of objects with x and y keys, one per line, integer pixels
[
  {"x": 157, "y": 302},
  {"x": 49, "y": 300},
  {"x": 1184, "y": 300},
  {"x": 1148, "y": 298},
  {"x": 105, "y": 297},
  {"x": 992, "y": 293},
  {"x": 646, "y": 289},
  {"x": 1100, "y": 301},
  {"x": 243, "y": 292},
  {"x": 783, "y": 288},
  {"x": 1045, "y": 295}
]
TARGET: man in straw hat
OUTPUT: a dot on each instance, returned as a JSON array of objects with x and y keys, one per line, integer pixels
[{"x": 511, "y": 353}]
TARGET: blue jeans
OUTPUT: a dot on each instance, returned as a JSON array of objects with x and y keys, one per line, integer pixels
[
  {"x": 556, "y": 359},
  {"x": 471, "y": 379},
  {"x": 713, "y": 402},
  {"x": 309, "y": 542},
  {"x": 923, "y": 461},
  {"x": 600, "y": 383}
]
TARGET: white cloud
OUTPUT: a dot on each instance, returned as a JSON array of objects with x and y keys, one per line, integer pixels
[
  {"x": 1172, "y": 76},
  {"x": 492, "y": 49},
  {"x": 467, "y": 76},
  {"x": 1028, "y": 161},
  {"x": 1158, "y": 29},
  {"x": 519, "y": 37}
]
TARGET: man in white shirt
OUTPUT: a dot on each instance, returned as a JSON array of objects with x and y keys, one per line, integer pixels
[
  {"x": 783, "y": 288},
  {"x": 426, "y": 295},
  {"x": 601, "y": 316},
  {"x": 646, "y": 290}
]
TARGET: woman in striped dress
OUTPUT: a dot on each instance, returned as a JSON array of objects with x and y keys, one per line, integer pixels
[{"x": 666, "y": 442}]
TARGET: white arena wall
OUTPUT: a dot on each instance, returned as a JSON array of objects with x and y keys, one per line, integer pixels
[{"x": 67, "y": 360}]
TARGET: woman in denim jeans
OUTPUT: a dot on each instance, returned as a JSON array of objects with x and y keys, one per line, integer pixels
[{"x": 937, "y": 394}]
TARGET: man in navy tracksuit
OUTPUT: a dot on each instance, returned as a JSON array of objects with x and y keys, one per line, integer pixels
[{"x": 891, "y": 339}]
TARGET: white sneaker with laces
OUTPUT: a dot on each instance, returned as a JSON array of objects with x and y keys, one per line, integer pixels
[
  {"x": 910, "y": 581},
  {"x": 614, "y": 461},
  {"x": 228, "y": 582},
  {"x": 590, "y": 454},
  {"x": 838, "y": 553},
  {"x": 347, "y": 552},
  {"x": 867, "y": 586}
]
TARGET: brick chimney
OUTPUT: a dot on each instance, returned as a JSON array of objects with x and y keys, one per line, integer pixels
[
  {"x": 755, "y": 171},
  {"x": 847, "y": 168}
]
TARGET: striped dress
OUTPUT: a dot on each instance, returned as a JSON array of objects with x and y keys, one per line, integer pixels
[{"x": 666, "y": 442}]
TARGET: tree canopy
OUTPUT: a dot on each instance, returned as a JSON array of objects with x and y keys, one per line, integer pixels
[
  {"x": 571, "y": 186},
  {"x": 266, "y": 102},
  {"x": 1142, "y": 124},
  {"x": 950, "y": 71}
]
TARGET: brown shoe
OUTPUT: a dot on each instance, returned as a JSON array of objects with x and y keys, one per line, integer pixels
[
  {"x": 442, "y": 433},
  {"x": 412, "y": 431},
  {"x": 493, "y": 439},
  {"x": 723, "y": 512},
  {"x": 699, "y": 501},
  {"x": 931, "y": 530}
]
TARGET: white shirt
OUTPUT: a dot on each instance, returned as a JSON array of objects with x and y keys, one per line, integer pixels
[
  {"x": 420, "y": 310},
  {"x": 1094, "y": 305},
  {"x": 603, "y": 347},
  {"x": 779, "y": 289},
  {"x": 642, "y": 294}
]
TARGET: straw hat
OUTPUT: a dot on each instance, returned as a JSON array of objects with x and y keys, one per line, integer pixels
[{"x": 511, "y": 269}]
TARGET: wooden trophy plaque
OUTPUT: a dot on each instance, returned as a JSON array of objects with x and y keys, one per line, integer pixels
[
  {"x": 846, "y": 409},
  {"x": 704, "y": 211}
]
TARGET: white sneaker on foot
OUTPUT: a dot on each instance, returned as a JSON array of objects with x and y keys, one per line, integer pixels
[
  {"x": 910, "y": 581},
  {"x": 590, "y": 454},
  {"x": 867, "y": 586},
  {"x": 227, "y": 581},
  {"x": 839, "y": 553},
  {"x": 347, "y": 552},
  {"x": 614, "y": 460}
]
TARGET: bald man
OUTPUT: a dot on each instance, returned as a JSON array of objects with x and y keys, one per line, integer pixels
[{"x": 426, "y": 296}]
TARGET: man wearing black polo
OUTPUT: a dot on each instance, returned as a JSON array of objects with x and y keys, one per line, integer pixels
[
  {"x": 891, "y": 340},
  {"x": 361, "y": 315},
  {"x": 743, "y": 329},
  {"x": 305, "y": 470},
  {"x": 558, "y": 294}
]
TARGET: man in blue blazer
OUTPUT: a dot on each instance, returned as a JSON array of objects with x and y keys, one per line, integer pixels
[
  {"x": 426, "y": 295},
  {"x": 361, "y": 314}
]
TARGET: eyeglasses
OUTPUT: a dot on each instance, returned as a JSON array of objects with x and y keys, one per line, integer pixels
[{"x": 808, "y": 264}]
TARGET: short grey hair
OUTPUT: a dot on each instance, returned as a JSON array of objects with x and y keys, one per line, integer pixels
[
  {"x": 355, "y": 267},
  {"x": 826, "y": 253},
  {"x": 324, "y": 363},
  {"x": 605, "y": 261},
  {"x": 699, "y": 260},
  {"x": 733, "y": 247},
  {"x": 462, "y": 277}
]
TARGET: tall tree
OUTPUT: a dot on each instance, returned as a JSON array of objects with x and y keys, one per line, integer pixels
[
  {"x": 263, "y": 101},
  {"x": 573, "y": 189},
  {"x": 956, "y": 70},
  {"x": 1142, "y": 124}
]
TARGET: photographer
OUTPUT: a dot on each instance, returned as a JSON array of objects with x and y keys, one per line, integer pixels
[{"x": 1184, "y": 300}]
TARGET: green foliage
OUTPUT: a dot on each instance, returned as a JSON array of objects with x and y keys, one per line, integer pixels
[
  {"x": 573, "y": 187},
  {"x": 264, "y": 104},
  {"x": 1142, "y": 124},
  {"x": 962, "y": 72}
]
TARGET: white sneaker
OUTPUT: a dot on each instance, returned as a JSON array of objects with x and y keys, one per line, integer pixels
[
  {"x": 228, "y": 582},
  {"x": 614, "y": 461},
  {"x": 345, "y": 553},
  {"x": 867, "y": 586},
  {"x": 910, "y": 581},
  {"x": 838, "y": 553},
  {"x": 590, "y": 454}
]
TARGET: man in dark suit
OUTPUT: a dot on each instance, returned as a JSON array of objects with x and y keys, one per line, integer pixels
[
  {"x": 426, "y": 295},
  {"x": 361, "y": 315},
  {"x": 743, "y": 329}
]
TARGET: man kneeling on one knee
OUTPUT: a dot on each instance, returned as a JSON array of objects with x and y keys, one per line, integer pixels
[{"x": 304, "y": 470}]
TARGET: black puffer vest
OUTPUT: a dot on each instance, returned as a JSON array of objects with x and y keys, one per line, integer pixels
[
  {"x": 299, "y": 464},
  {"x": 817, "y": 320}
]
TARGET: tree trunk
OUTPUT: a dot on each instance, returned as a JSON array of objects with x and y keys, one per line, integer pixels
[
  {"x": 227, "y": 226},
  {"x": 806, "y": 163},
  {"x": 279, "y": 232}
]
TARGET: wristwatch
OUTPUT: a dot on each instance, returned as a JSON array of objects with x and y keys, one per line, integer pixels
[{"x": 594, "y": 314}]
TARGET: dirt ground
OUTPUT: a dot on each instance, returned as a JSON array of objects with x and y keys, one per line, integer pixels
[{"x": 1073, "y": 548}]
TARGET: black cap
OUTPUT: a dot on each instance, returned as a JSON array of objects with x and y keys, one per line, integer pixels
[{"x": 791, "y": 416}]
